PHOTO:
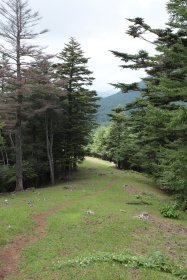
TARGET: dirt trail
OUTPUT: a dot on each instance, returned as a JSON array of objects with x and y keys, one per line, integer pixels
[{"x": 10, "y": 255}]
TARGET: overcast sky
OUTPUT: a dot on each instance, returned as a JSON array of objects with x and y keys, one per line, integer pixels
[{"x": 99, "y": 26}]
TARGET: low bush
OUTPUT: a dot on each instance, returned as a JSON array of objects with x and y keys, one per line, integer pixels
[{"x": 170, "y": 210}]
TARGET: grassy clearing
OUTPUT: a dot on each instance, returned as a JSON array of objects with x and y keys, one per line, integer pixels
[{"x": 114, "y": 228}]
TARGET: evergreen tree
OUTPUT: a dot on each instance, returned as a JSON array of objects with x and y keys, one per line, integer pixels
[
  {"x": 80, "y": 102},
  {"x": 98, "y": 145},
  {"x": 158, "y": 117},
  {"x": 117, "y": 138},
  {"x": 44, "y": 107}
]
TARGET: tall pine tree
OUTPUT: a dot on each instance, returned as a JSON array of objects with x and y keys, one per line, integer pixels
[
  {"x": 80, "y": 102},
  {"x": 159, "y": 116}
]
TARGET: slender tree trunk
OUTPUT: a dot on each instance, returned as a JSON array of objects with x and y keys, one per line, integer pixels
[
  {"x": 18, "y": 146},
  {"x": 11, "y": 141},
  {"x": 51, "y": 137},
  {"x": 3, "y": 159},
  {"x": 49, "y": 147},
  {"x": 118, "y": 164},
  {"x": 33, "y": 139},
  {"x": 66, "y": 167},
  {"x": 74, "y": 166},
  {"x": 6, "y": 156},
  {"x": 19, "y": 170},
  {"x": 74, "y": 162}
]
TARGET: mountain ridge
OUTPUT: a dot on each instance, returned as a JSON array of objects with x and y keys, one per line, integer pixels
[{"x": 112, "y": 101}]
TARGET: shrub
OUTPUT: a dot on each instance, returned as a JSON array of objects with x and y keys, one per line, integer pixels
[{"x": 170, "y": 210}]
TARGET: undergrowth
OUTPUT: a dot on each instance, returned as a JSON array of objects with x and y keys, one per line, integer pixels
[
  {"x": 170, "y": 210},
  {"x": 157, "y": 261}
]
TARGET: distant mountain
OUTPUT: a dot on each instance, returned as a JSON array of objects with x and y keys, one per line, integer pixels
[
  {"x": 111, "y": 102},
  {"x": 107, "y": 93}
]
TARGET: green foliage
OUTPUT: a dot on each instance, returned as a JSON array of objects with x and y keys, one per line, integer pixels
[
  {"x": 29, "y": 171},
  {"x": 58, "y": 116},
  {"x": 80, "y": 103},
  {"x": 7, "y": 177},
  {"x": 157, "y": 261},
  {"x": 170, "y": 210},
  {"x": 156, "y": 127},
  {"x": 98, "y": 145},
  {"x": 172, "y": 171}
]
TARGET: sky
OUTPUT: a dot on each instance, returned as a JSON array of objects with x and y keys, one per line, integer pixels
[{"x": 99, "y": 26}]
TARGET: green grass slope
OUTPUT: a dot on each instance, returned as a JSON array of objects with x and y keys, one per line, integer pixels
[{"x": 112, "y": 243}]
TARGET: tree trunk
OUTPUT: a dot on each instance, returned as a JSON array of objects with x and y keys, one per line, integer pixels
[
  {"x": 49, "y": 147},
  {"x": 6, "y": 156},
  {"x": 3, "y": 159},
  {"x": 19, "y": 170},
  {"x": 18, "y": 146},
  {"x": 75, "y": 163},
  {"x": 74, "y": 166},
  {"x": 11, "y": 140},
  {"x": 33, "y": 139}
]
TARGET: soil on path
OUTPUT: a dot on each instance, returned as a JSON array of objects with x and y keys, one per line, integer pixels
[{"x": 10, "y": 255}]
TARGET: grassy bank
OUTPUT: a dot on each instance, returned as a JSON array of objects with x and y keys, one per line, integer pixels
[{"x": 114, "y": 227}]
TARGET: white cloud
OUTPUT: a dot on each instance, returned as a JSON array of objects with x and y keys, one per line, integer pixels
[{"x": 99, "y": 26}]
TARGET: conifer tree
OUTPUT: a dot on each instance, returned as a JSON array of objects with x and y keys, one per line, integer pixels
[
  {"x": 158, "y": 117},
  {"x": 80, "y": 101},
  {"x": 43, "y": 103}
]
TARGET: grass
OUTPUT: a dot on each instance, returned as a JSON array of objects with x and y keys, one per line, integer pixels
[{"x": 114, "y": 228}]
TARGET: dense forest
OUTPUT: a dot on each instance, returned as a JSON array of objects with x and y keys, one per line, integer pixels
[
  {"x": 150, "y": 134},
  {"x": 48, "y": 111}
]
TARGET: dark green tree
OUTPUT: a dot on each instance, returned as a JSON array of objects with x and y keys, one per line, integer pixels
[
  {"x": 43, "y": 109},
  {"x": 158, "y": 117},
  {"x": 80, "y": 102}
]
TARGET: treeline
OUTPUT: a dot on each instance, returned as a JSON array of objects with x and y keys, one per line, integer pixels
[
  {"x": 46, "y": 109},
  {"x": 150, "y": 134}
]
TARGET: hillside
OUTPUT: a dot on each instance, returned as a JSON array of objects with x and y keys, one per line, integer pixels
[
  {"x": 106, "y": 93},
  {"x": 111, "y": 102},
  {"x": 92, "y": 227}
]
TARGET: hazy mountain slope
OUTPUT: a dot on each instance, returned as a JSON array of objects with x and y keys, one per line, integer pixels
[
  {"x": 107, "y": 103},
  {"x": 111, "y": 102},
  {"x": 107, "y": 93}
]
